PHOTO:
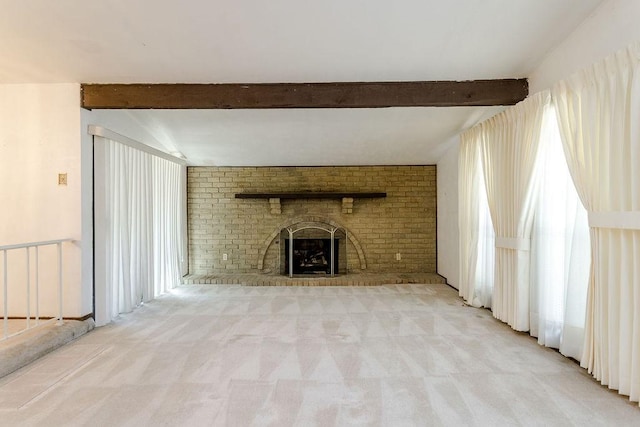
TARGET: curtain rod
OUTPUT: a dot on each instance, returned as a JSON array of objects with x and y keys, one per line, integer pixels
[{"x": 100, "y": 131}]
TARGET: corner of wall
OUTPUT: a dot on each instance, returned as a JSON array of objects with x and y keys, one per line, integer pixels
[{"x": 447, "y": 228}]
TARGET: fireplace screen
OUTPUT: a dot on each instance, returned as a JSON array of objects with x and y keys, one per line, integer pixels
[
  {"x": 313, "y": 248},
  {"x": 312, "y": 256}
]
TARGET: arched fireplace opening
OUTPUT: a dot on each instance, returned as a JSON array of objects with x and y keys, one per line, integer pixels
[{"x": 313, "y": 249}]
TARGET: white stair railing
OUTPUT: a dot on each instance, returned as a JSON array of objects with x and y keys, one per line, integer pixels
[{"x": 30, "y": 249}]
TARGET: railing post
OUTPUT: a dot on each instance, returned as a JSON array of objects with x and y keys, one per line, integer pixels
[
  {"x": 60, "y": 321},
  {"x": 28, "y": 311},
  {"x": 5, "y": 293},
  {"x": 37, "y": 287}
]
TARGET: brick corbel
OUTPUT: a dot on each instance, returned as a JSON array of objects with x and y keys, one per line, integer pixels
[
  {"x": 274, "y": 204},
  {"x": 347, "y": 205}
]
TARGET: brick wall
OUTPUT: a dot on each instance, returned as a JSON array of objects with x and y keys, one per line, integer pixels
[{"x": 404, "y": 222}]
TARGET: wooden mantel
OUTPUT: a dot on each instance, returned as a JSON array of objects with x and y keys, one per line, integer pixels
[
  {"x": 310, "y": 195},
  {"x": 347, "y": 198}
]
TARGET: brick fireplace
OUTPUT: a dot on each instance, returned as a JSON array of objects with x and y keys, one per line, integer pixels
[{"x": 396, "y": 233}]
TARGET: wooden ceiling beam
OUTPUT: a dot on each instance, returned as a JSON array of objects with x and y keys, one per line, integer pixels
[{"x": 305, "y": 95}]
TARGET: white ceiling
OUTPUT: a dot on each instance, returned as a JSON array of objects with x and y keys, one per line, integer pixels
[
  {"x": 223, "y": 41},
  {"x": 310, "y": 137}
]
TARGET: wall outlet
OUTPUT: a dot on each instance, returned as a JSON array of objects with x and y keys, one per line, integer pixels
[
  {"x": 398, "y": 256},
  {"x": 225, "y": 257},
  {"x": 62, "y": 179}
]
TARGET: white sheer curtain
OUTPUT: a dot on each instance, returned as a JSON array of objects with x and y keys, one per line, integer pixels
[
  {"x": 168, "y": 250},
  {"x": 510, "y": 156},
  {"x": 143, "y": 246},
  {"x": 560, "y": 255},
  {"x": 599, "y": 118},
  {"x": 477, "y": 239}
]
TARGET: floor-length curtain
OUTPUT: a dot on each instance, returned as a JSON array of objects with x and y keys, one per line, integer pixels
[
  {"x": 168, "y": 250},
  {"x": 510, "y": 156},
  {"x": 599, "y": 118},
  {"x": 144, "y": 247},
  {"x": 476, "y": 236},
  {"x": 560, "y": 251}
]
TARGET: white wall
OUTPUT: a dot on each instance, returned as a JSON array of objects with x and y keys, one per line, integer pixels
[
  {"x": 448, "y": 251},
  {"x": 611, "y": 27},
  {"x": 39, "y": 138}
]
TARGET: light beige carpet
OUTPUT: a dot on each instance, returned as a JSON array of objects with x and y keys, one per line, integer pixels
[
  {"x": 22, "y": 349},
  {"x": 398, "y": 355}
]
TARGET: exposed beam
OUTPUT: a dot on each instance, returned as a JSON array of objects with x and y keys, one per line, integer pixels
[{"x": 305, "y": 95}]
